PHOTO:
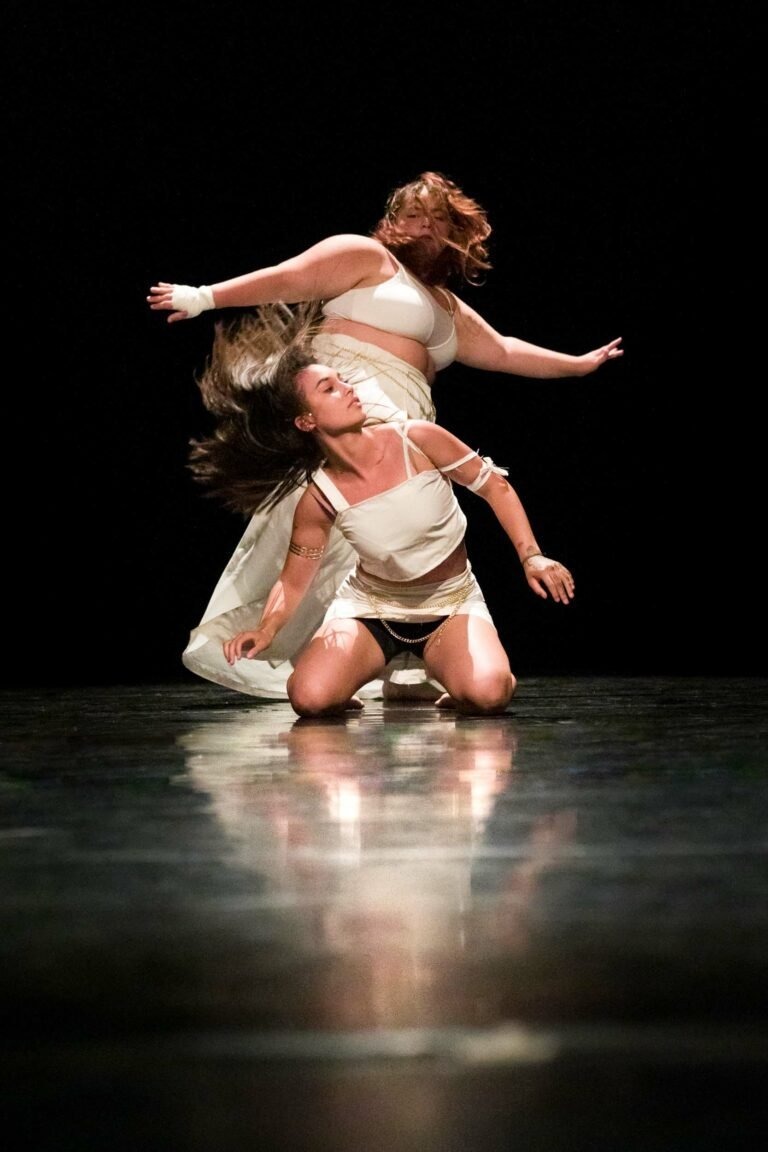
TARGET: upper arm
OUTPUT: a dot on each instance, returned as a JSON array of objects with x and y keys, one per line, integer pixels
[
  {"x": 311, "y": 521},
  {"x": 333, "y": 266},
  {"x": 311, "y": 529},
  {"x": 444, "y": 449},
  {"x": 479, "y": 344},
  {"x": 439, "y": 445}
]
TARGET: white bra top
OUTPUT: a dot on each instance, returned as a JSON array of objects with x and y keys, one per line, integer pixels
[
  {"x": 403, "y": 306},
  {"x": 407, "y": 530}
]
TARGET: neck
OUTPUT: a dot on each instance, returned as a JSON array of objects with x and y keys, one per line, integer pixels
[{"x": 353, "y": 450}]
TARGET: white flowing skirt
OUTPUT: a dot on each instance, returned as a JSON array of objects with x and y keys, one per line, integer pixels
[{"x": 390, "y": 389}]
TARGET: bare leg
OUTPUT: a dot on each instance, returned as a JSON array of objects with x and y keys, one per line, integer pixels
[
  {"x": 340, "y": 658},
  {"x": 468, "y": 658}
]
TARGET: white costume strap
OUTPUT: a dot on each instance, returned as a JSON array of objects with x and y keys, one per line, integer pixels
[
  {"x": 458, "y": 464},
  {"x": 486, "y": 470},
  {"x": 487, "y": 467},
  {"x": 330, "y": 491},
  {"x": 408, "y": 443}
]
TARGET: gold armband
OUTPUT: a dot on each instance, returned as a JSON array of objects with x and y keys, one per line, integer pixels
[{"x": 309, "y": 553}]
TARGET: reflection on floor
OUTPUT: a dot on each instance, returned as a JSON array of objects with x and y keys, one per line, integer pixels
[{"x": 227, "y": 929}]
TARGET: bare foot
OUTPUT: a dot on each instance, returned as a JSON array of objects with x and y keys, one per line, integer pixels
[{"x": 354, "y": 704}]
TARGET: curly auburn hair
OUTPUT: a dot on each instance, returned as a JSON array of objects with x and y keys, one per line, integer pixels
[{"x": 466, "y": 254}]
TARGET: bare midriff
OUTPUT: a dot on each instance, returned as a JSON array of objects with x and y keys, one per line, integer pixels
[
  {"x": 453, "y": 565},
  {"x": 412, "y": 351}
]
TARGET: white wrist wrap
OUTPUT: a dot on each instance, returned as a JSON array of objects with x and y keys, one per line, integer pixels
[
  {"x": 537, "y": 563},
  {"x": 193, "y": 301}
]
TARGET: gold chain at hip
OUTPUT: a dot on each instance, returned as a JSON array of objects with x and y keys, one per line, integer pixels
[{"x": 454, "y": 600}]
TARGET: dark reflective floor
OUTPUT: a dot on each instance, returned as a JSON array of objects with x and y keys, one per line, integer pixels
[{"x": 225, "y": 929}]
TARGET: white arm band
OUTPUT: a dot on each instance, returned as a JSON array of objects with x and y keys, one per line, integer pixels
[
  {"x": 193, "y": 301},
  {"x": 486, "y": 470}
]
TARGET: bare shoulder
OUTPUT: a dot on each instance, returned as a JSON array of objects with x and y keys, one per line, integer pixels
[
  {"x": 436, "y": 442},
  {"x": 309, "y": 512},
  {"x": 354, "y": 244},
  {"x": 335, "y": 264},
  {"x": 356, "y": 241}
]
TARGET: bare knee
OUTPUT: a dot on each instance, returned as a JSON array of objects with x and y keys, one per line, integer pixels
[
  {"x": 487, "y": 695},
  {"x": 310, "y": 697}
]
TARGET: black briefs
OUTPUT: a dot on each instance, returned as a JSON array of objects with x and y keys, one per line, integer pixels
[{"x": 390, "y": 645}]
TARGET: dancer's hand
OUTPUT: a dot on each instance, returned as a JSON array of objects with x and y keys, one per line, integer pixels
[
  {"x": 590, "y": 361},
  {"x": 181, "y": 300},
  {"x": 246, "y": 645},
  {"x": 549, "y": 578}
]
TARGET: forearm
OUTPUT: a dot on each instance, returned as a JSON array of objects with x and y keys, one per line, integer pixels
[
  {"x": 264, "y": 286},
  {"x": 511, "y": 515},
  {"x": 524, "y": 359},
  {"x": 326, "y": 269},
  {"x": 309, "y": 537},
  {"x": 545, "y": 577},
  {"x": 481, "y": 346},
  {"x": 281, "y": 603}
]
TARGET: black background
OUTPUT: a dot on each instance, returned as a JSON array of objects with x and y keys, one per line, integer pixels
[{"x": 196, "y": 142}]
